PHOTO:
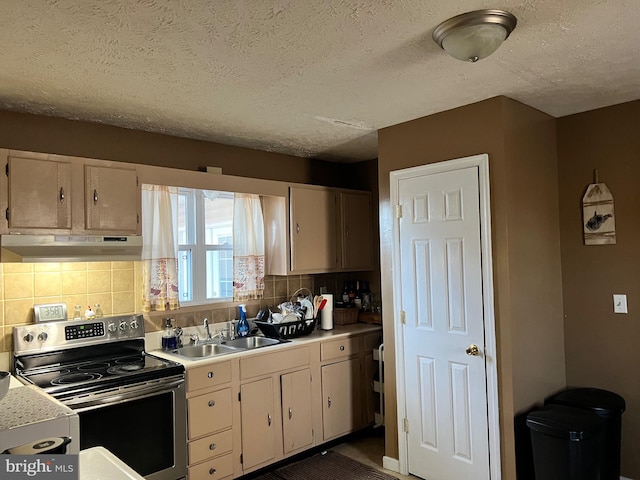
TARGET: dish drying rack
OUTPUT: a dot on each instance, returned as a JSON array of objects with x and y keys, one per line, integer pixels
[{"x": 287, "y": 330}]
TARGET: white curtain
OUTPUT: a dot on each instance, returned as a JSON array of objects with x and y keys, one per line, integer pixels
[
  {"x": 248, "y": 248},
  {"x": 159, "y": 251}
]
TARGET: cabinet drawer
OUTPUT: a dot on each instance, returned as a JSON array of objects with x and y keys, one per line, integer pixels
[
  {"x": 339, "y": 348},
  {"x": 211, "y": 446},
  {"x": 215, "y": 469},
  {"x": 273, "y": 362},
  {"x": 208, "y": 376},
  {"x": 209, "y": 413}
]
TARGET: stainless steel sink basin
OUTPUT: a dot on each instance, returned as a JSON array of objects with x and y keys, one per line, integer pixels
[
  {"x": 247, "y": 343},
  {"x": 205, "y": 350}
]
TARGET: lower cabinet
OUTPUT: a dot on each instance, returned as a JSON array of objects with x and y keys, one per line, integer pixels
[
  {"x": 297, "y": 418},
  {"x": 341, "y": 392},
  {"x": 257, "y": 423},
  {"x": 252, "y": 411}
]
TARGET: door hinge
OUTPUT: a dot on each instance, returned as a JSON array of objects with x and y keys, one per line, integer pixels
[
  {"x": 137, "y": 181},
  {"x": 6, "y": 214},
  {"x": 241, "y": 458},
  {"x": 398, "y": 211},
  {"x": 405, "y": 425},
  {"x": 6, "y": 169},
  {"x": 403, "y": 317},
  {"x": 239, "y": 396},
  {"x": 138, "y": 218}
]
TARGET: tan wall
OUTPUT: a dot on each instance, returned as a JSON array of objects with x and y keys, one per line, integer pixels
[
  {"x": 469, "y": 130},
  {"x": 67, "y": 137},
  {"x": 600, "y": 345}
]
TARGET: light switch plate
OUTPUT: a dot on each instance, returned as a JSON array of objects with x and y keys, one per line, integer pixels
[{"x": 619, "y": 303}]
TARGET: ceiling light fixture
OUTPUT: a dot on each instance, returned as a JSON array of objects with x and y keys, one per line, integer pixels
[{"x": 474, "y": 35}]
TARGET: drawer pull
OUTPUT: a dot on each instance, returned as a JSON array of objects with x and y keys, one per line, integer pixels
[
  {"x": 95, "y": 197},
  {"x": 210, "y": 374},
  {"x": 61, "y": 195},
  {"x": 341, "y": 348},
  {"x": 212, "y": 446},
  {"x": 212, "y": 403},
  {"x": 212, "y": 471}
]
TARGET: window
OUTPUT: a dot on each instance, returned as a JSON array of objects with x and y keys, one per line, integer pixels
[{"x": 205, "y": 245}]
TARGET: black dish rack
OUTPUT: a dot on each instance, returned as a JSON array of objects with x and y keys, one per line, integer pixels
[{"x": 286, "y": 330}]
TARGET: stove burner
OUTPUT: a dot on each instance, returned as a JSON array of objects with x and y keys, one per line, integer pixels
[
  {"x": 93, "y": 366},
  {"x": 75, "y": 378},
  {"x": 127, "y": 368},
  {"x": 128, "y": 360}
]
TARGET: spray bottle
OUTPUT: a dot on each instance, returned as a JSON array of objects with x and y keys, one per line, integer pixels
[{"x": 243, "y": 324}]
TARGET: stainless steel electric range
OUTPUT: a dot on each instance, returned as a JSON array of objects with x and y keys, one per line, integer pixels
[{"x": 128, "y": 401}]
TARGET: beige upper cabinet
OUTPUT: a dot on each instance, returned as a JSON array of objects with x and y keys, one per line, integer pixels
[
  {"x": 55, "y": 194},
  {"x": 355, "y": 231},
  {"x": 39, "y": 193},
  {"x": 112, "y": 198},
  {"x": 313, "y": 229},
  {"x": 330, "y": 230}
]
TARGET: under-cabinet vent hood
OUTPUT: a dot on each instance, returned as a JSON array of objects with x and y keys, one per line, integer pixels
[{"x": 69, "y": 248}]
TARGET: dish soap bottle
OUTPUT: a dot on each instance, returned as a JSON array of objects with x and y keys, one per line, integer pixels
[
  {"x": 169, "y": 341},
  {"x": 243, "y": 324}
]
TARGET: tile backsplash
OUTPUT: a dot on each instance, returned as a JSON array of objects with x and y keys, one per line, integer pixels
[{"x": 116, "y": 286}]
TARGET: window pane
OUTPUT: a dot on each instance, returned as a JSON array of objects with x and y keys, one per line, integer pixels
[
  {"x": 218, "y": 222},
  {"x": 219, "y": 274},
  {"x": 185, "y": 276}
]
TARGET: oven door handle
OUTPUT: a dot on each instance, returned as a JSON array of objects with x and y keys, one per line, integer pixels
[{"x": 123, "y": 394}]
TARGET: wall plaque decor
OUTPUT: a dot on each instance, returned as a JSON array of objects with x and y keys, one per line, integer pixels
[{"x": 598, "y": 220}]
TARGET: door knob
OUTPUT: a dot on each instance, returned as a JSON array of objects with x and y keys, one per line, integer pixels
[{"x": 473, "y": 350}]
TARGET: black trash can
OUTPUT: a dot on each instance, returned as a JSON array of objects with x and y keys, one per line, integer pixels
[
  {"x": 566, "y": 443},
  {"x": 610, "y": 407}
]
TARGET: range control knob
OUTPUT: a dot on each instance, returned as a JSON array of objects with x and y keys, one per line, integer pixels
[
  {"x": 42, "y": 336},
  {"x": 112, "y": 327},
  {"x": 28, "y": 338},
  {"x": 134, "y": 324},
  {"x": 123, "y": 325}
]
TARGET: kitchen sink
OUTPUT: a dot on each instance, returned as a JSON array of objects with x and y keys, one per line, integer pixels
[
  {"x": 248, "y": 343},
  {"x": 205, "y": 350}
]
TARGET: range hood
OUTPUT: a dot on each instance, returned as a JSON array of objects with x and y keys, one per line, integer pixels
[{"x": 69, "y": 248}]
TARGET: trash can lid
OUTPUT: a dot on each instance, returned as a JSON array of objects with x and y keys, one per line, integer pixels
[
  {"x": 561, "y": 421},
  {"x": 600, "y": 401}
]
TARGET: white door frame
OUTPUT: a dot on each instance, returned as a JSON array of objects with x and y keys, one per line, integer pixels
[{"x": 482, "y": 163}]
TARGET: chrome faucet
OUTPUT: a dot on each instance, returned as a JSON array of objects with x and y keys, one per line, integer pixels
[{"x": 206, "y": 328}]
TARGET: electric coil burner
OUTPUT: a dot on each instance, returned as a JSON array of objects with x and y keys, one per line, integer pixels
[{"x": 100, "y": 369}]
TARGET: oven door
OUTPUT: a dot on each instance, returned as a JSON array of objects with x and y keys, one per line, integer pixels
[{"x": 142, "y": 424}]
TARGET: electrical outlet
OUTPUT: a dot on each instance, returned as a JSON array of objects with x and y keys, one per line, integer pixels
[{"x": 619, "y": 303}]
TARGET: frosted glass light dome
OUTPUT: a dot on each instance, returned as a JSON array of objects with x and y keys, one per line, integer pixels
[{"x": 475, "y": 35}]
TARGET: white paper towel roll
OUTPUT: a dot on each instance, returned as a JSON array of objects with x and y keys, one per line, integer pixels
[{"x": 326, "y": 314}]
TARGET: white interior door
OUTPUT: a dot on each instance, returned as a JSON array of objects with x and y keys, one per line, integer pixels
[{"x": 441, "y": 295}]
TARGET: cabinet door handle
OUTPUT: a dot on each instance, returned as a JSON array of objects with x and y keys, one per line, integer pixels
[
  {"x": 297, "y": 228},
  {"x": 212, "y": 403},
  {"x": 269, "y": 419},
  {"x": 95, "y": 197},
  {"x": 212, "y": 446},
  {"x": 342, "y": 348},
  {"x": 329, "y": 402},
  {"x": 212, "y": 471},
  {"x": 61, "y": 194},
  {"x": 210, "y": 374},
  {"x": 290, "y": 413}
]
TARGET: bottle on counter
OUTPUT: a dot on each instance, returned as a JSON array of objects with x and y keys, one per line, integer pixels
[
  {"x": 97, "y": 310},
  {"x": 357, "y": 299},
  {"x": 77, "y": 312},
  {"x": 345, "y": 293},
  {"x": 169, "y": 341},
  {"x": 243, "y": 323},
  {"x": 366, "y": 296}
]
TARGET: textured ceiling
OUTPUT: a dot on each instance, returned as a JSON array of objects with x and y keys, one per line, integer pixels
[{"x": 307, "y": 78}]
